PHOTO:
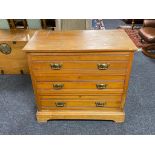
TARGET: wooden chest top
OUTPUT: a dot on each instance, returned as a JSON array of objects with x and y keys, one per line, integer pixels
[
  {"x": 86, "y": 40},
  {"x": 16, "y": 35}
]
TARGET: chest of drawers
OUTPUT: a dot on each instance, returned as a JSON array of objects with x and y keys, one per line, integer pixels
[
  {"x": 12, "y": 59},
  {"x": 80, "y": 74}
]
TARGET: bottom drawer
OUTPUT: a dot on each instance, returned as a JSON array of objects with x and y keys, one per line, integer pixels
[{"x": 79, "y": 102}]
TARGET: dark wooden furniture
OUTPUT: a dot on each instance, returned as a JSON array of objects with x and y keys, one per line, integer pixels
[
  {"x": 133, "y": 22},
  {"x": 17, "y": 23},
  {"x": 80, "y": 74},
  {"x": 147, "y": 33},
  {"x": 48, "y": 23}
]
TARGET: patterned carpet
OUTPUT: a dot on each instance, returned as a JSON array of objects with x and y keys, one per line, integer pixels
[
  {"x": 98, "y": 24},
  {"x": 133, "y": 34}
]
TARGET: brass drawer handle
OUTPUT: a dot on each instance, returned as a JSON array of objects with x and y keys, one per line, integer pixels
[
  {"x": 56, "y": 66},
  {"x": 101, "y": 86},
  {"x": 60, "y": 104},
  {"x": 100, "y": 104},
  {"x": 103, "y": 66},
  {"x": 58, "y": 86}
]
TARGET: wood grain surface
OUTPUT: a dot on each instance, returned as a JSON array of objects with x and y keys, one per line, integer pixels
[
  {"x": 78, "y": 55},
  {"x": 87, "y": 40}
]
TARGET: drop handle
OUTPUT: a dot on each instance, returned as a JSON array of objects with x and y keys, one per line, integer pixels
[
  {"x": 101, "y": 86},
  {"x": 103, "y": 66},
  {"x": 60, "y": 104},
  {"x": 56, "y": 66},
  {"x": 100, "y": 104},
  {"x": 58, "y": 86}
]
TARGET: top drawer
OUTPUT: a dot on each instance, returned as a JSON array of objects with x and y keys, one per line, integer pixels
[
  {"x": 107, "y": 63},
  {"x": 117, "y": 56}
]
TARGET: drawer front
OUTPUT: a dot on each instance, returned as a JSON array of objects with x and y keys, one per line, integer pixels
[
  {"x": 84, "y": 67},
  {"x": 76, "y": 77},
  {"x": 66, "y": 66},
  {"x": 113, "y": 63},
  {"x": 79, "y": 87},
  {"x": 75, "y": 102}
]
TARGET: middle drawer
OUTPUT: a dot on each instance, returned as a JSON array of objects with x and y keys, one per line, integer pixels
[{"x": 80, "y": 87}]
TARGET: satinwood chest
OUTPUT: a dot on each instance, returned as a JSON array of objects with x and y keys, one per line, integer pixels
[{"x": 80, "y": 74}]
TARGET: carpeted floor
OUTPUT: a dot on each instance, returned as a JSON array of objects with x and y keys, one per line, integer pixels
[{"x": 17, "y": 108}]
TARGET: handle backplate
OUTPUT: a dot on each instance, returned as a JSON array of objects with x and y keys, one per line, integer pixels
[
  {"x": 103, "y": 66},
  {"x": 101, "y": 86},
  {"x": 56, "y": 66},
  {"x": 58, "y": 86},
  {"x": 100, "y": 104},
  {"x": 60, "y": 104}
]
